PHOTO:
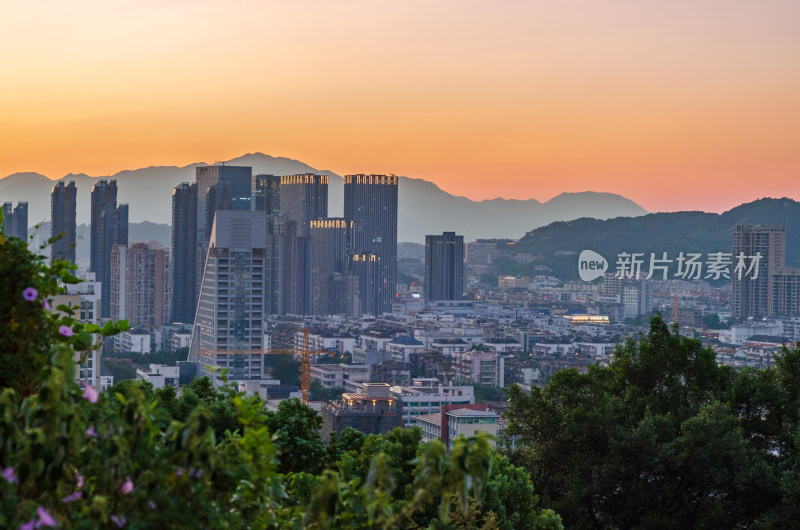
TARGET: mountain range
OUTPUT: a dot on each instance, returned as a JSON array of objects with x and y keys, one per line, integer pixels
[
  {"x": 558, "y": 245},
  {"x": 424, "y": 208}
]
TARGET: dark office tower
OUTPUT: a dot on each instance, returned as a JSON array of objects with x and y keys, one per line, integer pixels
[
  {"x": 234, "y": 194},
  {"x": 121, "y": 225},
  {"x": 8, "y": 219},
  {"x": 294, "y": 269},
  {"x": 184, "y": 252},
  {"x": 63, "y": 207},
  {"x": 237, "y": 193},
  {"x": 267, "y": 194},
  {"x": 15, "y": 220},
  {"x": 444, "y": 267},
  {"x": 304, "y": 198},
  {"x": 755, "y": 297},
  {"x": 109, "y": 227},
  {"x": 370, "y": 202},
  {"x": 331, "y": 249},
  {"x": 369, "y": 270},
  {"x": 21, "y": 220}
]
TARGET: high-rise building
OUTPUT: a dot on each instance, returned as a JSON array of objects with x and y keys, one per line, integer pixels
[
  {"x": 304, "y": 198},
  {"x": 230, "y": 312},
  {"x": 331, "y": 249},
  {"x": 444, "y": 267},
  {"x": 236, "y": 193},
  {"x": 63, "y": 208},
  {"x": 109, "y": 227},
  {"x": 370, "y": 203},
  {"x": 267, "y": 194},
  {"x": 139, "y": 285},
  {"x": 369, "y": 270},
  {"x": 118, "y": 297},
  {"x": 184, "y": 252},
  {"x": 218, "y": 188},
  {"x": 15, "y": 220},
  {"x": 755, "y": 297}
]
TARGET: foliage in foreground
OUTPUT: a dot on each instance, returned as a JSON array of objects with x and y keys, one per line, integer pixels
[
  {"x": 210, "y": 458},
  {"x": 664, "y": 438}
]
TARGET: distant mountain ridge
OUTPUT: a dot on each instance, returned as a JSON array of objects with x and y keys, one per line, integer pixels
[
  {"x": 558, "y": 244},
  {"x": 424, "y": 208}
]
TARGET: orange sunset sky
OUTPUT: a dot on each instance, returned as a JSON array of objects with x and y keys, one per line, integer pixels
[{"x": 679, "y": 104}]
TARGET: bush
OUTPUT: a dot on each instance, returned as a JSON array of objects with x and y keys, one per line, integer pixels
[{"x": 136, "y": 458}]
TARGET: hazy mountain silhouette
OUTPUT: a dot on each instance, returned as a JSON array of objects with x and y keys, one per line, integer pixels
[
  {"x": 424, "y": 208},
  {"x": 558, "y": 244}
]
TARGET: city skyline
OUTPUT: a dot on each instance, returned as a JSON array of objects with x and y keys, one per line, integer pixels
[{"x": 642, "y": 100}]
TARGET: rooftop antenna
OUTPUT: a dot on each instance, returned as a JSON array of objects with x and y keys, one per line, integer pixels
[{"x": 223, "y": 162}]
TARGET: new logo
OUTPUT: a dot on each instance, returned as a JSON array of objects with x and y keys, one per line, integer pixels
[{"x": 591, "y": 265}]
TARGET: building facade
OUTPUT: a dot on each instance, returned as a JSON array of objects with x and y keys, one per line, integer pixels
[
  {"x": 444, "y": 267},
  {"x": 109, "y": 228},
  {"x": 15, "y": 220},
  {"x": 183, "y": 266},
  {"x": 370, "y": 203},
  {"x": 229, "y": 325},
  {"x": 63, "y": 209}
]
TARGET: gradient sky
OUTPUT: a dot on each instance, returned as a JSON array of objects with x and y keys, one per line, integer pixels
[{"x": 678, "y": 104}]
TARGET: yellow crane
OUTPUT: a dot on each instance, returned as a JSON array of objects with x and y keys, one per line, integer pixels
[{"x": 305, "y": 360}]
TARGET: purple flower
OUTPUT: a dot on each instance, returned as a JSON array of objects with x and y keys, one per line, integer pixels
[
  {"x": 30, "y": 294},
  {"x": 65, "y": 330},
  {"x": 73, "y": 497},
  {"x": 151, "y": 504},
  {"x": 127, "y": 487},
  {"x": 30, "y": 525},
  {"x": 9, "y": 475},
  {"x": 90, "y": 393},
  {"x": 118, "y": 520},
  {"x": 179, "y": 471},
  {"x": 46, "y": 304},
  {"x": 90, "y": 432},
  {"x": 195, "y": 473},
  {"x": 79, "y": 477},
  {"x": 45, "y": 519}
]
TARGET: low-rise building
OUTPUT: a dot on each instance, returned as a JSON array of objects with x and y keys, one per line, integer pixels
[
  {"x": 159, "y": 375},
  {"x": 455, "y": 421},
  {"x": 339, "y": 375},
  {"x": 428, "y": 395},
  {"x": 373, "y": 411},
  {"x": 401, "y": 348},
  {"x": 486, "y": 368}
]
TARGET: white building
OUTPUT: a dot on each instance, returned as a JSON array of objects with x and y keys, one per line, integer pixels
[
  {"x": 340, "y": 375},
  {"x": 427, "y": 395},
  {"x": 403, "y": 346},
  {"x": 159, "y": 375},
  {"x": 228, "y": 332},
  {"x": 458, "y": 422},
  {"x": 134, "y": 341},
  {"x": 486, "y": 368},
  {"x": 84, "y": 298}
]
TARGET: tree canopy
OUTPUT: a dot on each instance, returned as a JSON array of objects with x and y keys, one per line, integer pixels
[{"x": 663, "y": 437}]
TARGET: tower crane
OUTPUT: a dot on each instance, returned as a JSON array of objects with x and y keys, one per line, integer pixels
[{"x": 303, "y": 352}]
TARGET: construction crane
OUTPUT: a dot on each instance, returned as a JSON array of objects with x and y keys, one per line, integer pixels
[
  {"x": 305, "y": 360},
  {"x": 675, "y": 302}
]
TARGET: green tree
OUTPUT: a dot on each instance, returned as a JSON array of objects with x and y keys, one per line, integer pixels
[
  {"x": 647, "y": 442},
  {"x": 296, "y": 433},
  {"x": 136, "y": 457}
]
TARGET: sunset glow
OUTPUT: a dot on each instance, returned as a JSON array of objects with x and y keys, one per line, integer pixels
[{"x": 675, "y": 105}]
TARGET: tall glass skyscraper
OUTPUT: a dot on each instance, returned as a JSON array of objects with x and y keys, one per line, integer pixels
[
  {"x": 63, "y": 208},
  {"x": 370, "y": 202},
  {"x": 109, "y": 228},
  {"x": 444, "y": 267},
  {"x": 184, "y": 252}
]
